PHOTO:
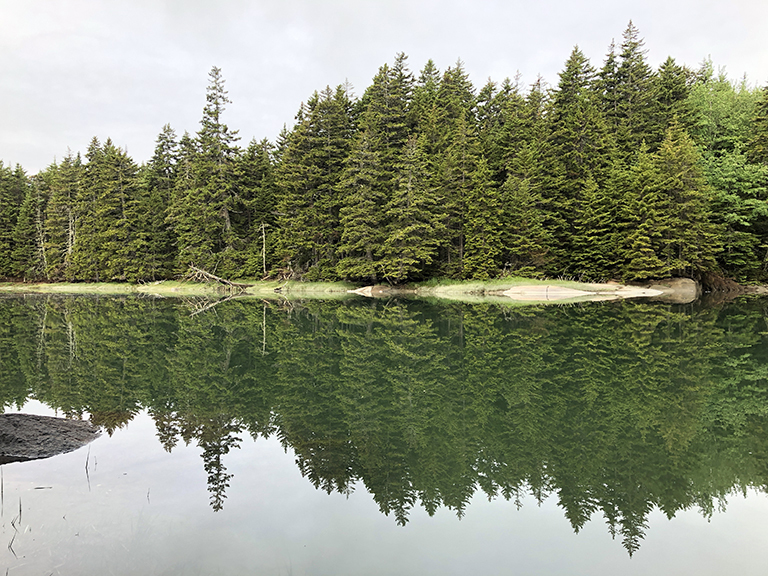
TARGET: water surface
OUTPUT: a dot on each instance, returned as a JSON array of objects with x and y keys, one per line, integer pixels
[{"x": 389, "y": 437}]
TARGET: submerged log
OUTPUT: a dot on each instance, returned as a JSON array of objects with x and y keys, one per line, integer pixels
[{"x": 29, "y": 437}]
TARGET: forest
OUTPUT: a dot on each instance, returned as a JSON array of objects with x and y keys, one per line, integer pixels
[{"x": 622, "y": 172}]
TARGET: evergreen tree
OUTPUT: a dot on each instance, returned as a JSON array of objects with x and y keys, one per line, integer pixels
[
  {"x": 415, "y": 218},
  {"x": 207, "y": 195},
  {"x": 691, "y": 241},
  {"x": 307, "y": 180},
  {"x": 423, "y": 110},
  {"x": 757, "y": 148},
  {"x": 153, "y": 241},
  {"x": 85, "y": 263},
  {"x": 576, "y": 152},
  {"x": 594, "y": 255},
  {"x": 525, "y": 239},
  {"x": 671, "y": 89},
  {"x": 645, "y": 212},
  {"x": 13, "y": 191},
  {"x": 627, "y": 95},
  {"x": 28, "y": 241},
  {"x": 63, "y": 183},
  {"x": 482, "y": 226},
  {"x": 370, "y": 175},
  {"x": 362, "y": 213},
  {"x": 258, "y": 219},
  {"x": 459, "y": 163},
  {"x": 739, "y": 191}
]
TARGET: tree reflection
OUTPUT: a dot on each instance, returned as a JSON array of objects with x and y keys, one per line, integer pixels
[{"x": 617, "y": 408}]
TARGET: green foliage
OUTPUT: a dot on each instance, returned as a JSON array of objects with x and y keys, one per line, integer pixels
[
  {"x": 723, "y": 111},
  {"x": 758, "y": 143},
  {"x": 207, "y": 196},
  {"x": 576, "y": 154},
  {"x": 596, "y": 178},
  {"x": 482, "y": 226},
  {"x": 307, "y": 180},
  {"x": 62, "y": 183},
  {"x": 415, "y": 217},
  {"x": 627, "y": 93},
  {"x": 617, "y": 409},
  {"x": 362, "y": 213},
  {"x": 739, "y": 191},
  {"x": 14, "y": 188}
]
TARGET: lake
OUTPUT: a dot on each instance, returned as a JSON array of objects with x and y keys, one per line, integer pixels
[{"x": 375, "y": 436}]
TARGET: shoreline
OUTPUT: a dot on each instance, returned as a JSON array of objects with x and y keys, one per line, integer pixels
[{"x": 508, "y": 290}]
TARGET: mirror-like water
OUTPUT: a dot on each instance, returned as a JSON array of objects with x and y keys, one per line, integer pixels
[{"x": 388, "y": 437}]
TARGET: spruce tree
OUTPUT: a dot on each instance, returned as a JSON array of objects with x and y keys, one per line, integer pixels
[
  {"x": 307, "y": 180},
  {"x": 28, "y": 240},
  {"x": 415, "y": 218},
  {"x": 594, "y": 254},
  {"x": 627, "y": 97},
  {"x": 13, "y": 190},
  {"x": 691, "y": 242},
  {"x": 152, "y": 240},
  {"x": 576, "y": 152},
  {"x": 85, "y": 261},
  {"x": 61, "y": 214},
  {"x": 207, "y": 195},
  {"x": 365, "y": 189},
  {"x": 255, "y": 173},
  {"x": 757, "y": 147},
  {"x": 482, "y": 226},
  {"x": 370, "y": 174},
  {"x": 645, "y": 212},
  {"x": 738, "y": 197},
  {"x": 459, "y": 163},
  {"x": 671, "y": 89}
]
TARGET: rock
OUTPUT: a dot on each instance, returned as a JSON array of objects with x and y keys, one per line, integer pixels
[
  {"x": 676, "y": 290},
  {"x": 30, "y": 437}
]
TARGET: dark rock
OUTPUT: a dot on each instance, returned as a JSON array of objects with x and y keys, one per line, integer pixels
[{"x": 30, "y": 437}]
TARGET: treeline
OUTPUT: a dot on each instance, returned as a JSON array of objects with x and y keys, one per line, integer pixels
[
  {"x": 622, "y": 172},
  {"x": 614, "y": 409}
]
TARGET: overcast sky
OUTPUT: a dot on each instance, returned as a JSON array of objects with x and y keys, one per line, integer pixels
[{"x": 74, "y": 69}]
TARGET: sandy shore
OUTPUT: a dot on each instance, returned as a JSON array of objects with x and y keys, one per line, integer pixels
[{"x": 679, "y": 290}]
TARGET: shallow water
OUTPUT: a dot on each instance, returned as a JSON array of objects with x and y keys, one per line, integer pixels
[{"x": 368, "y": 415}]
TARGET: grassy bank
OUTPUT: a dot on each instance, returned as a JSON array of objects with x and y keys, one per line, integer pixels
[
  {"x": 178, "y": 288},
  {"x": 443, "y": 289}
]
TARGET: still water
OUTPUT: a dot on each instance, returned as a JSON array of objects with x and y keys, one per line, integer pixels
[{"x": 389, "y": 437}]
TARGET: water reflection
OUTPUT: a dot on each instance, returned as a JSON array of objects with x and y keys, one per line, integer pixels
[{"x": 616, "y": 408}]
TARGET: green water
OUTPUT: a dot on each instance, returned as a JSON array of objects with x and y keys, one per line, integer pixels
[{"x": 393, "y": 413}]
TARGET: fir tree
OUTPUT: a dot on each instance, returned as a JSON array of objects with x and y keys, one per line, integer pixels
[
  {"x": 362, "y": 213},
  {"x": 415, "y": 218},
  {"x": 671, "y": 88},
  {"x": 627, "y": 96},
  {"x": 152, "y": 240},
  {"x": 207, "y": 195},
  {"x": 257, "y": 220},
  {"x": 757, "y": 147},
  {"x": 307, "y": 180},
  {"x": 576, "y": 152},
  {"x": 482, "y": 226},
  {"x": 85, "y": 262},
  {"x": 691, "y": 241},
  {"x": 13, "y": 191},
  {"x": 63, "y": 183},
  {"x": 28, "y": 240},
  {"x": 646, "y": 208}
]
